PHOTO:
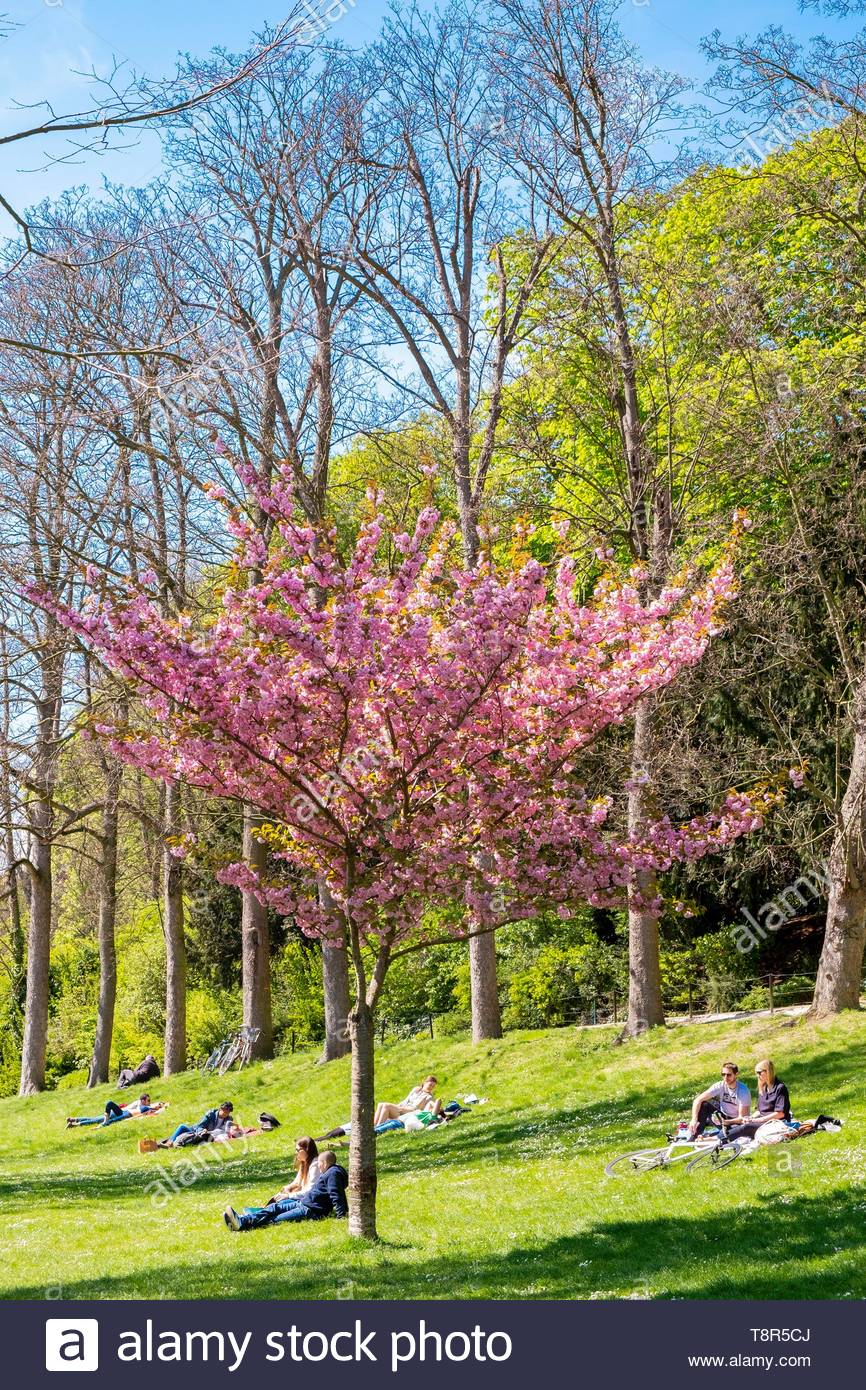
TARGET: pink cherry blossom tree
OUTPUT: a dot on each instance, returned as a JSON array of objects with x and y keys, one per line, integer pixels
[{"x": 409, "y": 738}]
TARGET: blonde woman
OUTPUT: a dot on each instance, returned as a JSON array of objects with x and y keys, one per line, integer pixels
[{"x": 774, "y": 1103}]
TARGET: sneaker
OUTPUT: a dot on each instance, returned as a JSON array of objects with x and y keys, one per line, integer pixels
[
  {"x": 70, "y": 1123},
  {"x": 231, "y": 1219}
]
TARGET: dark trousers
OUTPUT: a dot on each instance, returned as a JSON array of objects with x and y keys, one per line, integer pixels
[
  {"x": 706, "y": 1115},
  {"x": 744, "y": 1131}
]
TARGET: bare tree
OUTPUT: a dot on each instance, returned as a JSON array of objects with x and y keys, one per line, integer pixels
[
  {"x": 48, "y": 458},
  {"x": 123, "y": 102},
  {"x": 269, "y": 264},
  {"x": 432, "y": 160}
]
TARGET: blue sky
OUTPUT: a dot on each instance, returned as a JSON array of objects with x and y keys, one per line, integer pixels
[{"x": 56, "y": 38}]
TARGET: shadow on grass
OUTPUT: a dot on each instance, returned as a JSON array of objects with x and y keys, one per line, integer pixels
[{"x": 661, "y": 1257}]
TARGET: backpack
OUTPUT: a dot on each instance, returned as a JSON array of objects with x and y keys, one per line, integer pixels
[
  {"x": 268, "y": 1121},
  {"x": 195, "y": 1136}
]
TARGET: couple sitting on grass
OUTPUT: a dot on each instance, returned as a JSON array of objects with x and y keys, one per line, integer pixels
[
  {"x": 113, "y": 1112},
  {"x": 728, "y": 1105},
  {"x": 317, "y": 1190}
]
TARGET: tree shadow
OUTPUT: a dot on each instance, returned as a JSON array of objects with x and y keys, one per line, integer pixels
[{"x": 659, "y": 1257}]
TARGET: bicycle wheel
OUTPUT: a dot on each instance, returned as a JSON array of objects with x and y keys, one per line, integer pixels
[
  {"x": 213, "y": 1060},
  {"x": 718, "y": 1156},
  {"x": 229, "y": 1059},
  {"x": 640, "y": 1161}
]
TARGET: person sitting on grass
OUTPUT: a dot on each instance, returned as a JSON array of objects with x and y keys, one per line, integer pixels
[
  {"x": 307, "y": 1159},
  {"x": 422, "y": 1098},
  {"x": 327, "y": 1196},
  {"x": 728, "y": 1100},
  {"x": 213, "y": 1122},
  {"x": 114, "y": 1112},
  {"x": 774, "y": 1103}
]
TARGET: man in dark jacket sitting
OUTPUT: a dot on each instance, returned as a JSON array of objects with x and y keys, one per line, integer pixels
[
  {"x": 210, "y": 1126},
  {"x": 327, "y": 1195}
]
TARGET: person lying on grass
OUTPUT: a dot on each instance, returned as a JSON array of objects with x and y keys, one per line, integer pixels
[
  {"x": 114, "y": 1112},
  {"x": 412, "y": 1120},
  {"x": 728, "y": 1100},
  {"x": 214, "y": 1122},
  {"x": 421, "y": 1098},
  {"x": 326, "y": 1197}
]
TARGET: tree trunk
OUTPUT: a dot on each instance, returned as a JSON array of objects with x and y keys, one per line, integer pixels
[
  {"x": 38, "y": 957},
  {"x": 256, "y": 948},
  {"x": 175, "y": 944},
  {"x": 335, "y": 978},
  {"x": 16, "y": 929},
  {"x": 362, "y": 1142},
  {"x": 840, "y": 968},
  {"x": 486, "y": 1014},
  {"x": 105, "y": 929},
  {"x": 644, "y": 970}
]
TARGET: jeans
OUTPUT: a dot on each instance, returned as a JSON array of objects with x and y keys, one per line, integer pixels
[
  {"x": 181, "y": 1129},
  {"x": 287, "y": 1209},
  {"x": 113, "y": 1112}
]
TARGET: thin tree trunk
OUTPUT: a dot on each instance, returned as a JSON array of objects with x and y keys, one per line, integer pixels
[
  {"x": 38, "y": 956},
  {"x": 484, "y": 991},
  {"x": 644, "y": 970},
  {"x": 362, "y": 1141},
  {"x": 256, "y": 947},
  {"x": 175, "y": 943},
  {"x": 335, "y": 979},
  {"x": 840, "y": 969},
  {"x": 16, "y": 929},
  {"x": 99, "y": 1065}
]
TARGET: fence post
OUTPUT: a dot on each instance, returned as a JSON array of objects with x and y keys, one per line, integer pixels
[
  {"x": 772, "y": 1006},
  {"x": 293, "y": 1040},
  {"x": 431, "y": 1025},
  {"x": 595, "y": 1008},
  {"x": 382, "y": 1033},
  {"x": 690, "y": 1002},
  {"x": 615, "y": 1019}
]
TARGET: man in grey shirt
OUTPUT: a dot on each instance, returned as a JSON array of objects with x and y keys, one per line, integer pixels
[{"x": 730, "y": 1098}]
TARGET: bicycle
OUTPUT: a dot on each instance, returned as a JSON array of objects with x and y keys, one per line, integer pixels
[
  {"x": 212, "y": 1063},
  {"x": 237, "y": 1047},
  {"x": 706, "y": 1151}
]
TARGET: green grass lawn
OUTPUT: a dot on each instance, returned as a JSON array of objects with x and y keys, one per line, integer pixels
[{"x": 510, "y": 1201}]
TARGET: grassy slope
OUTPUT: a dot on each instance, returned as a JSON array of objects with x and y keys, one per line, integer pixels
[{"x": 510, "y": 1201}]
